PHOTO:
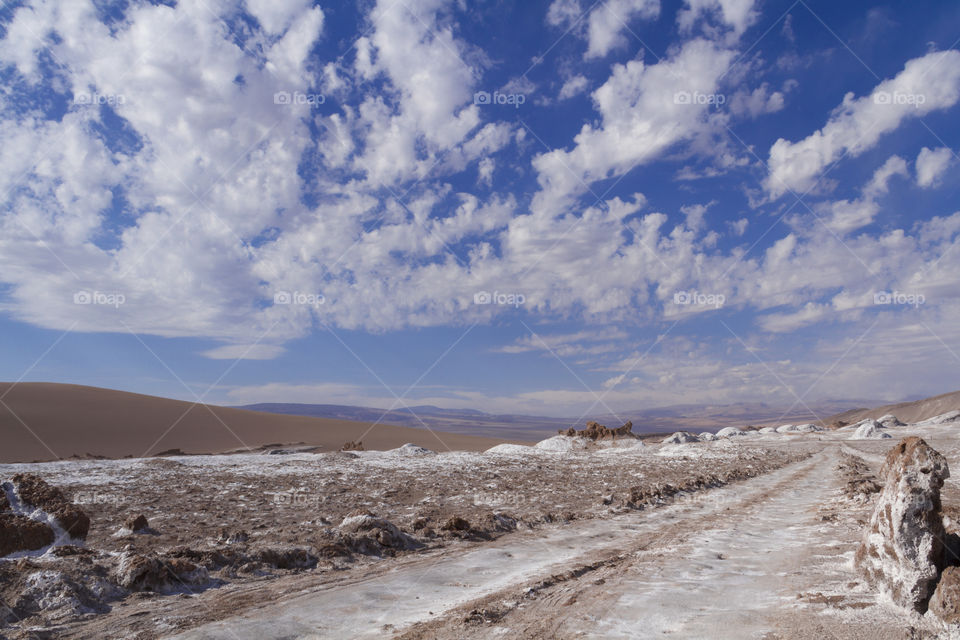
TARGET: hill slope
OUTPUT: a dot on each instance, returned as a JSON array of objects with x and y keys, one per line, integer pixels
[
  {"x": 46, "y": 421},
  {"x": 906, "y": 411}
]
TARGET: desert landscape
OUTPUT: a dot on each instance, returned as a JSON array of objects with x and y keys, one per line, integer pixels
[
  {"x": 479, "y": 319},
  {"x": 846, "y": 530}
]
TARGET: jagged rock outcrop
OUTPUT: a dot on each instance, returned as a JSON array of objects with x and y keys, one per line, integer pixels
[
  {"x": 596, "y": 431},
  {"x": 902, "y": 552}
]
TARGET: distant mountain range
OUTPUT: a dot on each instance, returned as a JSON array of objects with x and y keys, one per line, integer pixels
[{"x": 529, "y": 427}]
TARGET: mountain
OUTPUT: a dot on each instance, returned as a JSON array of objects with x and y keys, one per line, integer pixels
[
  {"x": 516, "y": 427},
  {"x": 531, "y": 427},
  {"x": 913, "y": 411}
]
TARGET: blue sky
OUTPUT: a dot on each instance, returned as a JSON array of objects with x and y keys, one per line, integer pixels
[{"x": 556, "y": 208}]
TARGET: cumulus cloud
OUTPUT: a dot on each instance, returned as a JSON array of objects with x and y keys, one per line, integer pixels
[
  {"x": 926, "y": 84},
  {"x": 610, "y": 20},
  {"x": 644, "y": 109},
  {"x": 931, "y": 165}
]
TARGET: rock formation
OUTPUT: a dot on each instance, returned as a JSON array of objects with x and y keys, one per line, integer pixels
[
  {"x": 945, "y": 603},
  {"x": 137, "y": 524},
  {"x": 20, "y": 533},
  {"x": 26, "y": 503},
  {"x": 902, "y": 552},
  {"x": 596, "y": 431},
  {"x": 35, "y": 492}
]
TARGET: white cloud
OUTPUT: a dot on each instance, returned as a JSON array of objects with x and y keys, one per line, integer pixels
[
  {"x": 926, "y": 84},
  {"x": 737, "y": 14},
  {"x": 643, "y": 114},
  {"x": 788, "y": 322},
  {"x": 573, "y": 86},
  {"x": 244, "y": 352},
  {"x": 879, "y": 184},
  {"x": 564, "y": 13},
  {"x": 931, "y": 165},
  {"x": 610, "y": 19},
  {"x": 276, "y": 15},
  {"x": 758, "y": 102},
  {"x": 606, "y": 27}
]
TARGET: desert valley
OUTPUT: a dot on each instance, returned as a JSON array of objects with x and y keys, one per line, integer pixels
[{"x": 752, "y": 531}]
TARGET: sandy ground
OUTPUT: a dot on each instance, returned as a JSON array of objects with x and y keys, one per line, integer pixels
[{"x": 751, "y": 537}]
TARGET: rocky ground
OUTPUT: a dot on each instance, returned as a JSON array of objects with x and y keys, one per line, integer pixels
[{"x": 754, "y": 532}]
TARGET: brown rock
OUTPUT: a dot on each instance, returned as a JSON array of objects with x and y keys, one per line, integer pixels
[
  {"x": 148, "y": 573},
  {"x": 352, "y": 446},
  {"x": 456, "y": 523},
  {"x": 902, "y": 552},
  {"x": 20, "y": 533},
  {"x": 36, "y": 492},
  {"x": 945, "y": 603},
  {"x": 138, "y": 523},
  {"x": 596, "y": 431}
]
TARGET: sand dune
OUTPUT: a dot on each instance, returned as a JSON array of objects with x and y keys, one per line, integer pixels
[{"x": 46, "y": 421}]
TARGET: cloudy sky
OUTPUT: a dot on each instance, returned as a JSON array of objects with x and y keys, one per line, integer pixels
[{"x": 543, "y": 207}]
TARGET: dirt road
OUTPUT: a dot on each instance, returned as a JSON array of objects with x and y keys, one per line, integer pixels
[{"x": 768, "y": 557}]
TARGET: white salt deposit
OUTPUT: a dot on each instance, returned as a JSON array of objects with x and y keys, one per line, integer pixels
[
  {"x": 680, "y": 437},
  {"x": 727, "y": 432},
  {"x": 562, "y": 444},
  {"x": 869, "y": 430},
  {"x": 511, "y": 449}
]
